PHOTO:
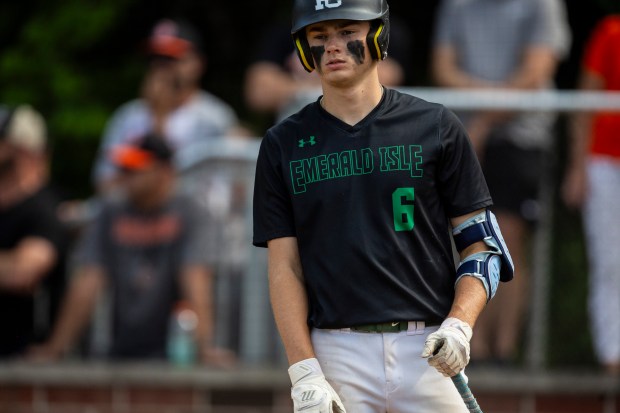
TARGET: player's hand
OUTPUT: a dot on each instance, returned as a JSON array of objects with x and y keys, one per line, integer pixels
[
  {"x": 311, "y": 393},
  {"x": 447, "y": 349}
]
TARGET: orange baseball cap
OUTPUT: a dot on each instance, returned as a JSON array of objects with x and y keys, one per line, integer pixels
[
  {"x": 173, "y": 39},
  {"x": 142, "y": 153}
]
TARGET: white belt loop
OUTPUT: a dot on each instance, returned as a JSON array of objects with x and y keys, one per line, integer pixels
[{"x": 415, "y": 328}]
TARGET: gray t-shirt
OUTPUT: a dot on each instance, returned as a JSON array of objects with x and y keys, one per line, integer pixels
[
  {"x": 204, "y": 117},
  {"x": 142, "y": 254},
  {"x": 490, "y": 37}
]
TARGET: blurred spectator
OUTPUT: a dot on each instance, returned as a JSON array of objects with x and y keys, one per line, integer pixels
[
  {"x": 509, "y": 44},
  {"x": 33, "y": 242},
  {"x": 152, "y": 248},
  {"x": 172, "y": 102},
  {"x": 277, "y": 84},
  {"x": 593, "y": 180}
]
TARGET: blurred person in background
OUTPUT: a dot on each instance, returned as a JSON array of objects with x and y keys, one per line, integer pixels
[
  {"x": 33, "y": 242},
  {"x": 151, "y": 247},
  {"x": 514, "y": 45},
  {"x": 592, "y": 181},
  {"x": 172, "y": 102},
  {"x": 277, "y": 84}
]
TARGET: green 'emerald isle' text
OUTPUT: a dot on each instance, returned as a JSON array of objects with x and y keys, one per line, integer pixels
[{"x": 355, "y": 162}]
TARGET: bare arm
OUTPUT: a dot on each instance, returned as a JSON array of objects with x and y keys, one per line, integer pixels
[
  {"x": 535, "y": 71},
  {"x": 75, "y": 313},
  {"x": 197, "y": 286},
  {"x": 447, "y": 72},
  {"x": 288, "y": 298},
  {"x": 537, "y": 68},
  {"x": 268, "y": 87},
  {"x": 574, "y": 185},
  {"x": 25, "y": 265}
]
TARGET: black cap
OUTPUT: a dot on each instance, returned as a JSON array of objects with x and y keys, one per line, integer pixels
[{"x": 307, "y": 12}]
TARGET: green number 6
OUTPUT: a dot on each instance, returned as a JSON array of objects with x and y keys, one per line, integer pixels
[{"x": 402, "y": 207}]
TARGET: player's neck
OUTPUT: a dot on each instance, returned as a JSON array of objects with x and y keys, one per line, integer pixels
[{"x": 354, "y": 103}]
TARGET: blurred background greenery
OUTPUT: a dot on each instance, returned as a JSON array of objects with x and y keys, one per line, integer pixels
[{"x": 77, "y": 60}]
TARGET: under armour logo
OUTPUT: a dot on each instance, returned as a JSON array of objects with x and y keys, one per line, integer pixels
[
  {"x": 310, "y": 141},
  {"x": 308, "y": 395},
  {"x": 321, "y": 4}
]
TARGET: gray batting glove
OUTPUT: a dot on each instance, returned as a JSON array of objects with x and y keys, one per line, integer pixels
[
  {"x": 447, "y": 349},
  {"x": 311, "y": 393}
]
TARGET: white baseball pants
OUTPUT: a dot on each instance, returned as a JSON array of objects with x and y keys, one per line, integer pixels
[
  {"x": 383, "y": 372},
  {"x": 602, "y": 230}
]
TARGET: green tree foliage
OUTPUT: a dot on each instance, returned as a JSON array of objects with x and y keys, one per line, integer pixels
[{"x": 57, "y": 59}]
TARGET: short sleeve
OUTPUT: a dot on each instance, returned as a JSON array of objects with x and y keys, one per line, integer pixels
[
  {"x": 549, "y": 26},
  {"x": 90, "y": 247},
  {"x": 272, "y": 208},
  {"x": 463, "y": 187},
  {"x": 597, "y": 52}
]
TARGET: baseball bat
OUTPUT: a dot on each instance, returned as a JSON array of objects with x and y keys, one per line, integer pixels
[
  {"x": 461, "y": 385},
  {"x": 466, "y": 394}
]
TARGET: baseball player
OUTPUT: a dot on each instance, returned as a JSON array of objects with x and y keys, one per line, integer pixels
[{"x": 358, "y": 198}]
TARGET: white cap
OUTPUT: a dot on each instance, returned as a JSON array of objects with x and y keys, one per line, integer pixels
[{"x": 23, "y": 127}]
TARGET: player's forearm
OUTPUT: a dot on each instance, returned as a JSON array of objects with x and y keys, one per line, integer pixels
[
  {"x": 290, "y": 308},
  {"x": 288, "y": 298},
  {"x": 469, "y": 300}
]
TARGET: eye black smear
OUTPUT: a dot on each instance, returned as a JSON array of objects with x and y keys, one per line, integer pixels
[
  {"x": 356, "y": 48},
  {"x": 317, "y": 53}
]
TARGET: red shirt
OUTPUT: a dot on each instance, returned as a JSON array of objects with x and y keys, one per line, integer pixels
[{"x": 602, "y": 57}]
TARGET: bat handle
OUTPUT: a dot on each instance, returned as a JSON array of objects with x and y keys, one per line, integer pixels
[{"x": 469, "y": 399}]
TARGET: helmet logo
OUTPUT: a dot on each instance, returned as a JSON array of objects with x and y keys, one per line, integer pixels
[{"x": 321, "y": 4}]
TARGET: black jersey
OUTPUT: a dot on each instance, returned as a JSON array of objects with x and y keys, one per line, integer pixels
[{"x": 370, "y": 205}]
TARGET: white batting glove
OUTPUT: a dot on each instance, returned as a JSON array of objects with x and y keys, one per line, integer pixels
[
  {"x": 447, "y": 349},
  {"x": 311, "y": 393}
]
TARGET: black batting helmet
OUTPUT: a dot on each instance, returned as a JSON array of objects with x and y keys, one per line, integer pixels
[{"x": 307, "y": 12}]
